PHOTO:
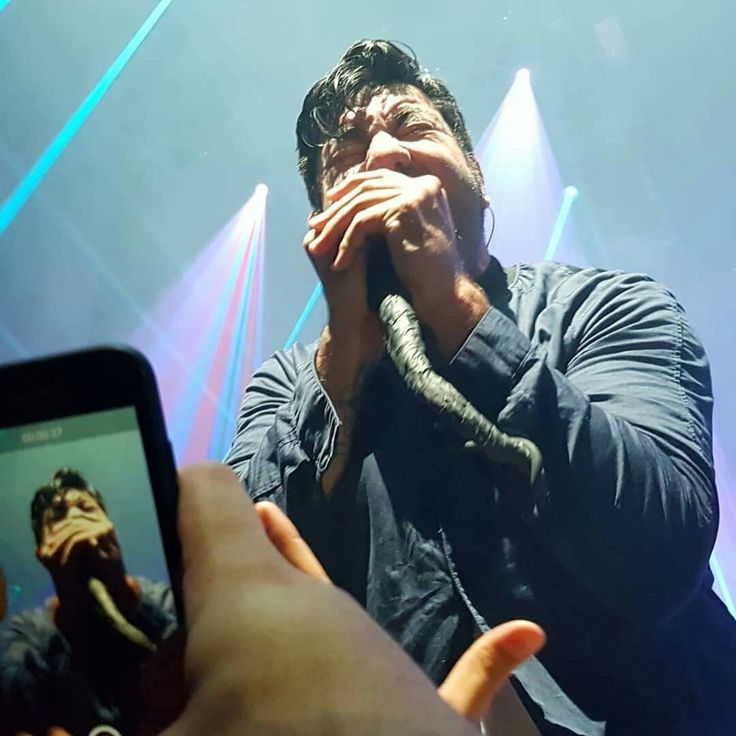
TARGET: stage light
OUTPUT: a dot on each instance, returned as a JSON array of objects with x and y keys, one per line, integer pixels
[
  {"x": 569, "y": 195},
  {"x": 522, "y": 177},
  {"x": 208, "y": 338}
]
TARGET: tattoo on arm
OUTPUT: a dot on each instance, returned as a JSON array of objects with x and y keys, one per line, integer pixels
[{"x": 346, "y": 405}]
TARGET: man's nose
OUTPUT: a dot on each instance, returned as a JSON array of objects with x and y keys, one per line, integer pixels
[{"x": 386, "y": 152}]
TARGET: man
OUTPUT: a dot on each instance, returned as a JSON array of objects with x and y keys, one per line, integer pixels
[
  {"x": 75, "y": 665},
  {"x": 609, "y": 552}
]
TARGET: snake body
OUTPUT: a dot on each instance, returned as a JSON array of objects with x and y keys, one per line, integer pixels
[{"x": 112, "y": 615}]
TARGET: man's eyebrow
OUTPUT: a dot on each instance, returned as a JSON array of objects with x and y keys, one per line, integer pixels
[
  {"x": 407, "y": 112},
  {"x": 349, "y": 132}
]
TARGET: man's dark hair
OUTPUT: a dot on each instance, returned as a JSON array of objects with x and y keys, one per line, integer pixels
[
  {"x": 364, "y": 67},
  {"x": 63, "y": 480}
]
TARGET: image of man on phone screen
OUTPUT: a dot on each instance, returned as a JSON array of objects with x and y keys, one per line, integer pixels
[{"x": 74, "y": 665}]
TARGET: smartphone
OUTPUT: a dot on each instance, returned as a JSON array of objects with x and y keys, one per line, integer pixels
[{"x": 90, "y": 565}]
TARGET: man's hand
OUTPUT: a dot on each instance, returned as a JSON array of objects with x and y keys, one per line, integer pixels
[
  {"x": 83, "y": 545},
  {"x": 351, "y": 323},
  {"x": 482, "y": 670},
  {"x": 81, "y": 542},
  {"x": 413, "y": 215},
  {"x": 351, "y": 343}
]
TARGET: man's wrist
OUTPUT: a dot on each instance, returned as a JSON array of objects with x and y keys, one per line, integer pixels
[
  {"x": 340, "y": 370},
  {"x": 339, "y": 364}
]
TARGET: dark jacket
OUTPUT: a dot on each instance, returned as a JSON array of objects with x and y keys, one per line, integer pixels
[
  {"x": 42, "y": 685},
  {"x": 609, "y": 554}
]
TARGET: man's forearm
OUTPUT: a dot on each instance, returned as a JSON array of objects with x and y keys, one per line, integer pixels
[{"x": 341, "y": 371}]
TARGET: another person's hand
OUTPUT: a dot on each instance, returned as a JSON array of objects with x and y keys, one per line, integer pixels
[
  {"x": 482, "y": 670},
  {"x": 272, "y": 650}
]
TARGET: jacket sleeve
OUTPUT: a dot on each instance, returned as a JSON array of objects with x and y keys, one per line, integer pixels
[
  {"x": 628, "y": 498},
  {"x": 285, "y": 436}
]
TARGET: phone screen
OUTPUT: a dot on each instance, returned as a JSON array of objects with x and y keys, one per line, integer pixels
[{"x": 86, "y": 595}]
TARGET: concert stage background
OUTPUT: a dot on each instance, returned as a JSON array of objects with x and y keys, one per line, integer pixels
[{"x": 149, "y": 194}]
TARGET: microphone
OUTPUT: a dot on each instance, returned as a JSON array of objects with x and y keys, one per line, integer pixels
[
  {"x": 381, "y": 275},
  {"x": 405, "y": 346}
]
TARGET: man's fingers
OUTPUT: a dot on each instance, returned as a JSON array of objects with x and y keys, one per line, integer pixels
[
  {"x": 221, "y": 537},
  {"x": 84, "y": 538},
  {"x": 344, "y": 214},
  {"x": 354, "y": 180},
  {"x": 287, "y": 540},
  {"x": 370, "y": 221},
  {"x": 370, "y": 187},
  {"x": 71, "y": 544},
  {"x": 486, "y": 665}
]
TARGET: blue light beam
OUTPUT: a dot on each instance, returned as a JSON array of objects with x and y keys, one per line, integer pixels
[
  {"x": 36, "y": 174},
  {"x": 569, "y": 195},
  {"x": 304, "y": 316},
  {"x": 3, "y": 4},
  {"x": 715, "y": 566},
  {"x": 8, "y": 337},
  {"x": 224, "y": 429}
]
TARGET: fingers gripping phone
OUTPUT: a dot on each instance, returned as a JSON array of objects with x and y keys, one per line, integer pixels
[{"x": 89, "y": 556}]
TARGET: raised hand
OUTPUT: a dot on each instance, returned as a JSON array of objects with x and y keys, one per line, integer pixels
[
  {"x": 272, "y": 650},
  {"x": 78, "y": 545},
  {"x": 412, "y": 215}
]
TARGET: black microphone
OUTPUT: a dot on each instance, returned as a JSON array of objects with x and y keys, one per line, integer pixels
[
  {"x": 381, "y": 274},
  {"x": 405, "y": 346}
]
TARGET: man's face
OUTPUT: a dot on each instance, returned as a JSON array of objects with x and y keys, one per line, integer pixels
[
  {"x": 398, "y": 128},
  {"x": 77, "y": 539},
  {"x": 73, "y": 503}
]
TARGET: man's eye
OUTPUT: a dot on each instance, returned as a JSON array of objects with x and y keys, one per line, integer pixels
[{"x": 414, "y": 129}]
